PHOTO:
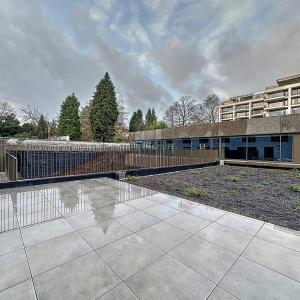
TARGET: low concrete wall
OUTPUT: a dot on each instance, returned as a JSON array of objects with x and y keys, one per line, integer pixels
[{"x": 257, "y": 126}]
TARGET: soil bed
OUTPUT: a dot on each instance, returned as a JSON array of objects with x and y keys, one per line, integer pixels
[{"x": 265, "y": 194}]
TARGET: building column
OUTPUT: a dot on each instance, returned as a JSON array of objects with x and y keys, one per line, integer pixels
[
  {"x": 250, "y": 109},
  {"x": 233, "y": 111},
  {"x": 289, "y": 110}
]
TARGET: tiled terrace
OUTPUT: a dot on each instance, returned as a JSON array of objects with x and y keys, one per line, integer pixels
[{"x": 105, "y": 239}]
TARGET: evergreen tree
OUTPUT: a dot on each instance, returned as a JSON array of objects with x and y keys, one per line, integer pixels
[
  {"x": 42, "y": 128},
  {"x": 139, "y": 120},
  {"x": 104, "y": 110},
  {"x": 9, "y": 125},
  {"x": 153, "y": 117},
  {"x": 132, "y": 123},
  {"x": 148, "y": 118},
  {"x": 28, "y": 129},
  {"x": 85, "y": 123},
  {"x": 69, "y": 121}
]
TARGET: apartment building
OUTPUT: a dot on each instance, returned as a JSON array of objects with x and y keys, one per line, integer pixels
[{"x": 280, "y": 99}]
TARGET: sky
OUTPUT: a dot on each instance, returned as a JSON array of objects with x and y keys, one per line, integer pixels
[{"x": 154, "y": 50}]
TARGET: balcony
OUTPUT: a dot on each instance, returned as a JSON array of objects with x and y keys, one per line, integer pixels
[
  {"x": 242, "y": 107},
  {"x": 276, "y": 105},
  {"x": 242, "y": 115},
  {"x": 295, "y": 92},
  {"x": 226, "y": 110},
  {"x": 296, "y": 101},
  {"x": 258, "y": 104},
  {"x": 257, "y": 112},
  {"x": 277, "y": 113},
  {"x": 278, "y": 95}
]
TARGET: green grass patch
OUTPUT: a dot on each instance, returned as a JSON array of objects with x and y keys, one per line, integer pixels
[
  {"x": 257, "y": 185},
  {"x": 194, "y": 192},
  {"x": 235, "y": 193},
  {"x": 297, "y": 205},
  {"x": 235, "y": 178},
  {"x": 132, "y": 178},
  {"x": 295, "y": 187}
]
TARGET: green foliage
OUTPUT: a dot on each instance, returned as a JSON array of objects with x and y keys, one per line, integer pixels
[
  {"x": 151, "y": 118},
  {"x": 120, "y": 139},
  {"x": 295, "y": 187},
  {"x": 159, "y": 125},
  {"x": 235, "y": 193},
  {"x": 258, "y": 185},
  {"x": 28, "y": 130},
  {"x": 234, "y": 178},
  {"x": 9, "y": 125},
  {"x": 69, "y": 120},
  {"x": 42, "y": 128},
  {"x": 297, "y": 205},
  {"x": 104, "y": 110},
  {"x": 243, "y": 173},
  {"x": 136, "y": 122},
  {"x": 194, "y": 192},
  {"x": 132, "y": 178}
]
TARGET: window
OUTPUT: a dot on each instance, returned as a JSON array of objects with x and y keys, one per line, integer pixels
[
  {"x": 234, "y": 147},
  {"x": 286, "y": 147}
]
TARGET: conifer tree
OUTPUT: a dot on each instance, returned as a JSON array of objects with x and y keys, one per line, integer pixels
[
  {"x": 42, "y": 128},
  {"x": 104, "y": 110},
  {"x": 69, "y": 120}
]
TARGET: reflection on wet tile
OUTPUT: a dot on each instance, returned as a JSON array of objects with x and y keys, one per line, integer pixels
[{"x": 8, "y": 219}]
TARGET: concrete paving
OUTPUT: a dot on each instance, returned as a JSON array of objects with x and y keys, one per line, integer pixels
[{"x": 106, "y": 239}]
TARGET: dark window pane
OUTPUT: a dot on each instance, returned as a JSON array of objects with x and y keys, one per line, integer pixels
[{"x": 286, "y": 147}]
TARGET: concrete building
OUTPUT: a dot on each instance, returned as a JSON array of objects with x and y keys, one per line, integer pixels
[
  {"x": 277, "y": 100},
  {"x": 269, "y": 140}
]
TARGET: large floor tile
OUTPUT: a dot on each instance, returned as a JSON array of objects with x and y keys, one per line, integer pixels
[
  {"x": 206, "y": 212},
  {"x": 160, "y": 198},
  {"x": 117, "y": 210},
  {"x": 278, "y": 258},
  {"x": 220, "y": 294},
  {"x": 129, "y": 255},
  {"x": 225, "y": 237},
  {"x": 119, "y": 292},
  {"x": 21, "y": 291},
  {"x": 138, "y": 220},
  {"x": 241, "y": 223},
  {"x": 188, "y": 222},
  {"x": 169, "y": 279},
  {"x": 164, "y": 235},
  {"x": 205, "y": 258},
  {"x": 141, "y": 203},
  {"x": 14, "y": 269},
  {"x": 87, "y": 219},
  {"x": 161, "y": 211},
  {"x": 87, "y": 277},
  {"x": 10, "y": 241},
  {"x": 280, "y": 236},
  {"x": 47, "y": 255},
  {"x": 45, "y": 231},
  {"x": 104, "y": 233},
  {"x": 250, "y": 281},
  {"x": 181, "y": 204}
]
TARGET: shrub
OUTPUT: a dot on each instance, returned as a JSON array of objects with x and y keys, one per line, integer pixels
[
  {"x": 235, "y": 178},
  {"x": 132, "y": 178},
  {"x": 191, "y": 191},
  {"x": 295, "y": 187},
  {"x": 297, "y": 205}
]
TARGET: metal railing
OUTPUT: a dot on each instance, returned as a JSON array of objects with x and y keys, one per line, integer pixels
[{"x": 29, "y": 161}]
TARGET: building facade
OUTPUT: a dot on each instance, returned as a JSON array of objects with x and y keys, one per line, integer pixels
[
  {"x": 278, "y": 100},
  {"x": 275, "y": 139}
]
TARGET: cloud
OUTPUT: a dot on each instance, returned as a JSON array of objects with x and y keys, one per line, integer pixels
[{"x": 154, "y": 50}]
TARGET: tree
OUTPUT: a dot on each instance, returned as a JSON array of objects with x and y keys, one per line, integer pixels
[
  {"x": 69, "y": 121},
  {"x": 210, "y": 109},
  {"x": 157, "y": 125},
  {"x": 31, "y": 114},
  {"x": 42, "y": 128},
  {"x": 183, "y": 112},
  {"x": 53, "y": 128},
  {"x": 122, "y": 120},
  {"x": 9, "y": 124},
  {"x": 136, "y": 121},
  {"x": 104, "y": 110},
  {"x": 85, "y": 124},
  {"x": 150, "y": 119},
  {"x": 28, "y": 130}
]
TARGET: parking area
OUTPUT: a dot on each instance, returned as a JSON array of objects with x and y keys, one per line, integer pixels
[{"x": 108, "y": 239}]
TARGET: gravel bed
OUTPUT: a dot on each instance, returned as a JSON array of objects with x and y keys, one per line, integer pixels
[{"x": 264, "y": 194}]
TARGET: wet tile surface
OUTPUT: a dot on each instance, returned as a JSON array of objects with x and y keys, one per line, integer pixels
[{"x": 106, "y": 239}]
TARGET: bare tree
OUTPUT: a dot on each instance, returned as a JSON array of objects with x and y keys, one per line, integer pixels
[
  {"x": 31, "y": 114},
  {"x": 210, "y": 109},
  {"x": 122, "y": 120},
  {"x": 183, "y": 112},
  {"x": 5, "y": 109}
]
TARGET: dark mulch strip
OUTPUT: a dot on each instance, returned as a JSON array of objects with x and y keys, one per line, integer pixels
[{"x": 263, "y": 194}]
